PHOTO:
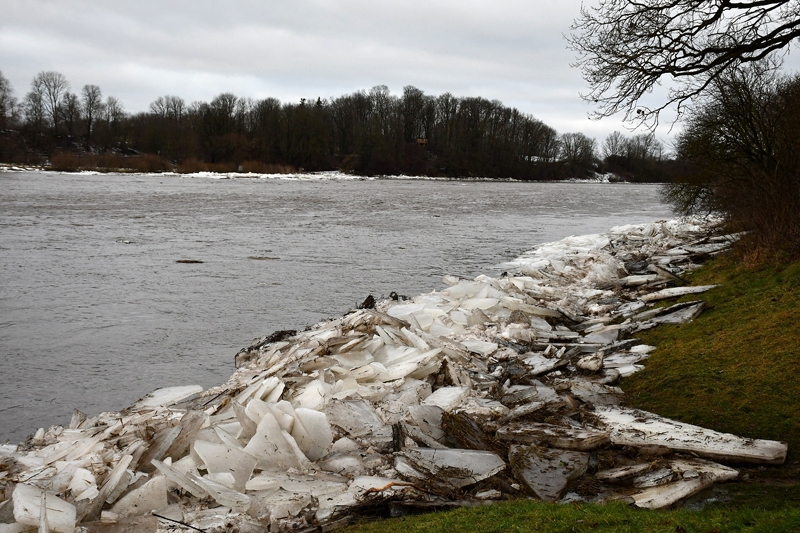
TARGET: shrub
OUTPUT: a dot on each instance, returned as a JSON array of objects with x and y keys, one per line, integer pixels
[
  {"x": 259, "y": 167},
  {"x": 742, "y": 147},
  {"x": 65, "y": 162},
  {"x": 147, "y": 163}
]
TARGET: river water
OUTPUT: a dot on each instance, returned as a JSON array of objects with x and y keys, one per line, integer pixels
[{"x": 95, "y": 310}]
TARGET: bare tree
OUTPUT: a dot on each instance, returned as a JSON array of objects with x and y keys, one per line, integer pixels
[
  {"x": 33, "y": 108},
  {"x": 92, "y": 107},
  {"x": 8, "y": 104},
  {"x": 114, "y": 114},
  {"x": 51, "y": 87},
  {"x": 71, "y": 110},
  {"x": 577, "y": 149},
  {"x": 627, "y": 47},
  {"x": 614, "y": 145},
  {"x": 644, "y": 146}
]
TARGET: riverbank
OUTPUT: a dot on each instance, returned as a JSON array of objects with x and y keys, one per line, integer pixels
[
  {"x": 732, "y": 369},
  {"x": 490, "y": 389},
  {"x": 280, "y": 172}
]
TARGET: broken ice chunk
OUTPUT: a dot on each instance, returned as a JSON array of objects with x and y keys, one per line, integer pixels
[
  {"x": 312, "y": 396},
  {"x": 694, "y": 475},
  {"x": 553, "y": 436},
  {"x": 238, "y": 502},
  {"x": 186, "y": 480},
  {"x": 359, "y": 419},
  {"x": 428, "y": 418},
  {"x": 458, "y": 468},
  {"x": 621, "y": 359},
  {"x": 483, "y": 348},
  {"x": 540, "y": 364},
  {"x": 622, "y": 473},
  {"x": 681, "y": 316},
  {"x": 351, "y": 360},
  {"x": 403, "y": 311},
  {"x": 606, "y": 335},
  {"x": 166, "y": 396},
  {"x": 81, "y": 480},
  {"x": 270, "y": 446},
  {"x": 317, "y": 436},
  {"x": 60, "y": 516},
  {"x": 632, "y": 427},
  {"x": 447, "y": 398},
  {"x": 547, "y": 472},
  {"x": 674, "y": 292},
  {"x": 219, "y": 458},
  {"x": 151, "y": 496}
]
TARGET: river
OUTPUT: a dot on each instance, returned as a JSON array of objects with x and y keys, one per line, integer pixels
[{"x": 96, "y": 310}]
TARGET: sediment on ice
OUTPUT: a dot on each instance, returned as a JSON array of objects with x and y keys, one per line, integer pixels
[{"x": 489, "y": 389}]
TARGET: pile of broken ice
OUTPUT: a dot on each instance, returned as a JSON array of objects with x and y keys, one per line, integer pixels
[{"x": 489, "y": 389}]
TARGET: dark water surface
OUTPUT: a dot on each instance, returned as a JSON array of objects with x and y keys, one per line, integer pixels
[{"x": 95, "y": 311}]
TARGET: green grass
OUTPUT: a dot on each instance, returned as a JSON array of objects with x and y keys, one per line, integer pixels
[
  {"x": 538, "y": 517},
  {"x": 734, "y": 369}
]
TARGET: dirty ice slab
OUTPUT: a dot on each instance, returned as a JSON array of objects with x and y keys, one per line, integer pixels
[{"x": 632, "y": 427}]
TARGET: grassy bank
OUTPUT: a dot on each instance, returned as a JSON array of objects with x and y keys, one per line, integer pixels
[{"x": 734, "y": 369}]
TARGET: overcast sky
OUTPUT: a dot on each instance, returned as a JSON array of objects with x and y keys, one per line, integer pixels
[{"x": 137, "y": 50}]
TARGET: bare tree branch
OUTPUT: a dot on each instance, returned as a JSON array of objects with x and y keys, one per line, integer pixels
[{"x": 628, "y": 47}]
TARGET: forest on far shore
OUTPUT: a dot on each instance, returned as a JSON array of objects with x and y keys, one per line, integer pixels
[{"x": 367, "y": 132}]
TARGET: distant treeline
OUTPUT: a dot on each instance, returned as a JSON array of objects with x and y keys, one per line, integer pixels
[{"x": 366, "y": 132}]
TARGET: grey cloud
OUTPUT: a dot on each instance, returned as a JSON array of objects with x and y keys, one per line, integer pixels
[{"x": 137, "y": 50}]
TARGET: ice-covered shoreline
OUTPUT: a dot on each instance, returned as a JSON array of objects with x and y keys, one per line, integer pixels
[
  {"x": 488, "y": 389},
  {"x": 333, "y": 175}
]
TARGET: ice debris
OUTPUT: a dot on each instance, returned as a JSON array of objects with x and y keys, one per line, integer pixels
[{"x": 491, "y": 388}]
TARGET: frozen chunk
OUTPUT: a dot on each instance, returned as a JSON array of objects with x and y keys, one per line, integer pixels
[
  {"x": 428, "y": 418},
  {"x": 447, "y": 398},
  {"x": 693, "y": 476},
  {"x": 186, "y": 480},
  {"x": 541, "y": 364},
  {"x": 151, "y": 496},
  {"x": 483, "y": 348},
  {"x": 458, "y": 468},
  {"x": 238, "y": 502},
  {"x": 547, "y": 472},
  {"x": 317, "y": 436},
  {"x": 674, "y": 292},
  {"x": 632, "y": 427},
  {"x": 270, "y": 446},
  {"x": 219, "y": 458},
  {"x": 167, "y": 396},
  {"x": 553, "y": 436},
  {"x": 60, "y": 516},
  {"x": 358, "y": 418},
  {"x": 312, "y": 396}
]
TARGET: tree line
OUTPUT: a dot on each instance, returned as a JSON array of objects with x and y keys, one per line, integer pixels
[{"x": 366, "y": 132}]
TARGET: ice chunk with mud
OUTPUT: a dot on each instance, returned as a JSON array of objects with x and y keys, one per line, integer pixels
[
  {"x": 360, "y": 420},
  {"x": 675, "y": 292},
  {"x": 632, "y": 427},
  {"x": 566, "y": 438},
  {"x": 693, "y": 475},
  {"x": 455, "y": 467},
  {"x": 547, "y": 472}
]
